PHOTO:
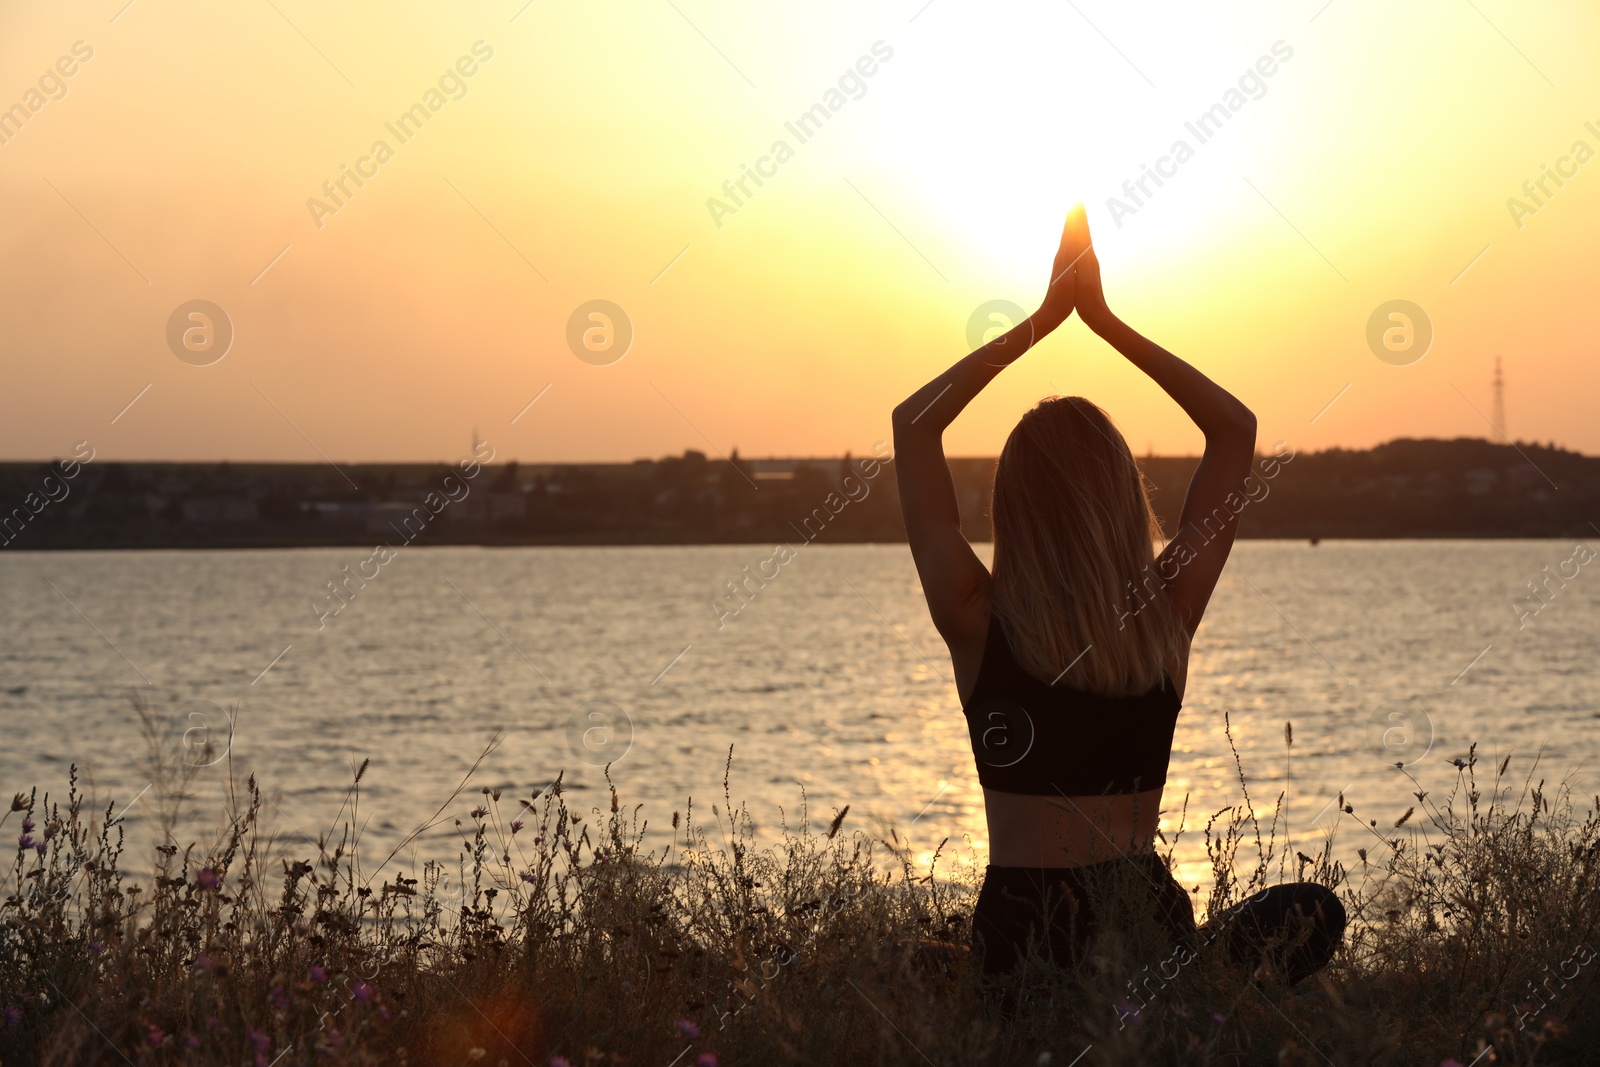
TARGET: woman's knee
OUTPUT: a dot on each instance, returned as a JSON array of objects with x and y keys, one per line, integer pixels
[{"x": 1323, "y": 906}]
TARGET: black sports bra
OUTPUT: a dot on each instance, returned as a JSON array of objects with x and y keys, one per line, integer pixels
[{"x": 1048, "y": 740}]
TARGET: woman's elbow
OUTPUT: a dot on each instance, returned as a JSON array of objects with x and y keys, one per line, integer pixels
[
  {"x": 904, "y": 418},
  {"x": 1237, "y": 427},
  {"x": 1242, "y": 421}
]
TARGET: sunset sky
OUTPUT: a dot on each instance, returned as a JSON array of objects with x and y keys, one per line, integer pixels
[{"x": 576, "y": 162}]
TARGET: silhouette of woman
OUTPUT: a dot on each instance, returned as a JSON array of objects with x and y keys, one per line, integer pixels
[{"x": 1072, "y": 657}]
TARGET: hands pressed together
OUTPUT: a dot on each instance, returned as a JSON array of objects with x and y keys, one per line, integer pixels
[{"x": 1075, "y": 278}]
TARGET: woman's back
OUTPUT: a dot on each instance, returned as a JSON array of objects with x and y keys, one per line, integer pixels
[{"x": 1073, "y": 774}]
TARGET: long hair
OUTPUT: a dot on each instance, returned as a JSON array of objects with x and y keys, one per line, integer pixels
[{"x": 1074, "y": 552}]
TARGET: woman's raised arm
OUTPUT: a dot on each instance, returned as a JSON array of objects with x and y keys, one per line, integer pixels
[{"x": 954, "y": 580}]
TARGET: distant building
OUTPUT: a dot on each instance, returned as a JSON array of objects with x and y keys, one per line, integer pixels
[
  {"x": 220, "y": 509},
  {"x": 481, "y": 507}
]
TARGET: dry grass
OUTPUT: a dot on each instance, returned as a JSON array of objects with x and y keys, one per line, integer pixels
[{"x": 1468, "y": 937}]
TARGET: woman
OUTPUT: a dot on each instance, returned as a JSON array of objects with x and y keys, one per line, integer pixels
[{"x": 1072, "y": 657}]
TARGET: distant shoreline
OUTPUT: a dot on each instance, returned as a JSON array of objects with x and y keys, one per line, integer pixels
[{"x": 1462, "y": 489}]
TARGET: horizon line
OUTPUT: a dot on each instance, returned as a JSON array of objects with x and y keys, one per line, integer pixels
[{"x": 771, "y": 458}]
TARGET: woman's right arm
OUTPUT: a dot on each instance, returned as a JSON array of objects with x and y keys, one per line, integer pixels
[
  {"x": 954, "y": 580},
  {"x": 1193, "y": 560}
]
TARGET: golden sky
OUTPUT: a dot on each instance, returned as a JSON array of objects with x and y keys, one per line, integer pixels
[{"x": 579, "y": 158}]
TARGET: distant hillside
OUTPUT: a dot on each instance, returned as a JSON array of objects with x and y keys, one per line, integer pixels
[{"x": 1406, "y": 488}]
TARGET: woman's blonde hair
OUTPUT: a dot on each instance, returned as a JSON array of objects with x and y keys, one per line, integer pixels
[{"x": 1074, "y": 554}]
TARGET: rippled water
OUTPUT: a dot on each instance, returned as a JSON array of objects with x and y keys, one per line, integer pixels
[{"x": 830, "y": 679}]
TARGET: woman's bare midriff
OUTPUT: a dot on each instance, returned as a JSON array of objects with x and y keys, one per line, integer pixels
[{"x": 1063, "y": 831}]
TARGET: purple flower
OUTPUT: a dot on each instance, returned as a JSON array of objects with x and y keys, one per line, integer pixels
[
  {"x": 530, "y": 877},
  {"x": 97, "y": 947},
  {"x": 207, "y": 879},
  {"x": 40, "y": 847},
  {"x": 362, "y": 992},
  {"x": 318, "y": 974},
  {"x": 259, "y": 1039},
  {"x": 191, "y": 1041},
  {"x": 688, "y": 1029},
  {"x": 1219, "y": 1017},
  {"x": 25, "y": 841},
  {"x": 154, "y": 1038},
  {"x": 516, "y": 825},
  {"x": 1127, "y": 1010},
  {"x": 13, "y": 1016},
  {"x": 1460, "y": 763},
  {"x": 559, "y": 1061},
  {"x": 202, "y": 962},
  {"x": 27, "y": 824},
  {"x": 1450, "y": 1063},
  {"x": 278, "y": 999},
  {"x": 706, "y": 1059}
]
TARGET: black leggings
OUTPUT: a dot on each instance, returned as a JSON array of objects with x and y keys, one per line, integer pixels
[{"x": 1289, "y": 930}]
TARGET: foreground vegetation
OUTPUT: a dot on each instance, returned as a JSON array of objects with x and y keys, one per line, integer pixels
[{"x": 561, "y": 939}]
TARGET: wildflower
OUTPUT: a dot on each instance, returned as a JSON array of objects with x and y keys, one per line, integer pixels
[
  {"x": 40, "y": 847},
  {"x": 362, "y": 992},
  {"x": 1450, "y": 1063},
  {"x": 259, "y": 1039},
  {"x": 12, "y": 1016},
  {"x": 279, "y": 1000},
  {"x": 207, "y": 879},
  {"x": 1459, "y": 762},
  {"x": 688, "y": 1029},
  {"x": 516, "y": 825},
  {"x": 530, "y": 877},
  {"x": 27, "y": 824},
  {"x": 1127, "y": 1010},
  {"x": 19, "y": 803},
  {"x": 155, "y": 1038},
  {"x": 706, "y": 1059},
  {"x": 25, "y": 842},
  {"x": 318, "y": 974},
  {"x": 1219, "y": 1017},
  {"x": 191, "y": 1041},
  {"x": 202, "y": 962},
  {"x": 559, "y": 1061},
  {"x": 97, "y": 947}
]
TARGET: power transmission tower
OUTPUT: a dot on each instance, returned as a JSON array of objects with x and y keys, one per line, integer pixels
[{"x": 1499, "y": 400}]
